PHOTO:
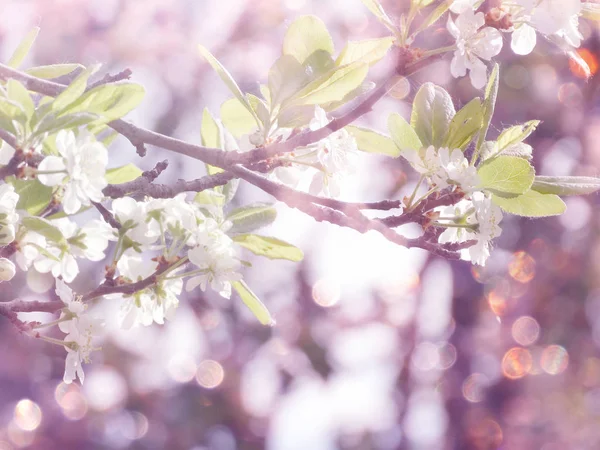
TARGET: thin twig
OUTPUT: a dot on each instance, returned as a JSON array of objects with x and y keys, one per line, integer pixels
[
  {"x": 108, "y": 78},
  {"x": 141, "y": 185}
]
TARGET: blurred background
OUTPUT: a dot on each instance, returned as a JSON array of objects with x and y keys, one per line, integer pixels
[{"x": 375, "y": 347}]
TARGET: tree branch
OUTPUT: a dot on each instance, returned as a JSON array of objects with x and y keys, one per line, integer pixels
[{"x": 144, "y": 186}]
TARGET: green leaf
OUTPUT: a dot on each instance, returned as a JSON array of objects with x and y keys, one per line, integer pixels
[
  {"x": 433, "y": 17},
  {"x": 110, "y": 101},
  {"x": 74, "y": 90},
  {"x": 253, "y": 303},
  {"x": 23, "y": 49},
  {"x": 531, "y": 204},
  {"x": 431, "y": 114},
  {"x": 270, "y": 247},
  {"x": 306, "y": 35},
  {"x": 51, "y": 124},
  {"x": 286, "y": 77},
  {"x": 19, "y": 94},
  {"x": 333, "y": 86},
  {"x": 506, "y": 174},
  {"x": 363, "y": 88},
  {"x": 375, "y": 7},
  {"x": 516, "y": 134},
  {"x": 368, "y": 51},
  {"x": 464, "y": 125},
  {"x": 402, "y": 133},
  {"x": 11, "y": 111},
  {"x": 566, "y": 185},
  {"x": 237, "y": 118},
  {"x": 226, "y": 77},
  {"x": 123, "y": 174},
  {"x": 43, "y": 227},
  {"x": 210, "y": 133},
  {"x": 296, "y": 116},
  {"x": 252, "y": 217},
  {"x": 318, "y": 64},
  {"x": 372, "y": 142},
  {"x": 489, "y": 104},
  {"x": 210, "y": 197},
  {"x": 261, "y": 109},
  {"x": 34, "y": 197},
  {"x": 52, "y": 71}
]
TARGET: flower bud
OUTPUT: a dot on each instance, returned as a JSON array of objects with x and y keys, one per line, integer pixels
[
  {"x": 257, "y": 139},
  {"x": 7, "y": 270},
  {"x": 7, "y": 234}
]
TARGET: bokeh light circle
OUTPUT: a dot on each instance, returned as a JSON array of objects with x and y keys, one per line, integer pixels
[{"x": 517, "y": 362}]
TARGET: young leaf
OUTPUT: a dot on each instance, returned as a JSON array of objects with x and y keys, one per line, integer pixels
[
  {"x": 531, "y": 204},
  {"x": 210, "y": 197},
  {"x": 23, "y": 49},
  {"x": 306, "y": 35},
  {"x": 516, "y": 134},
  {"x": 270, "y": 247},
  {"x": 375, "y": 7},
  {"x": 286, "y": 77},
  {"x": 566, "y": 185},
  {"x": 110, "y": 101},
  {"x": 464, "y": 125},
  {"x": 506, "y": 174},
  {"x": 318, "y": 64},
  {"x": 372, "y": 142},
  {"x": 34, "y": 197},
  {"x": 368, "y": 51},
  {"x": 489, "y": 104},
  {"x": 402, "y": 133},
  {"x": 123, "y": 174},
  {"x": 226, "y": 77},
  {"x": 74, "y": 90},
  {"x": 253, "y": 303},
  {"x": 433, "y": 17},
  {"x": 261, "y": 109},
  {"x": 53, "y": 70},
  {"x": 431, "y": 114},
  {"x": 252, "y": 217},
  {"x": 333, "y": 86},
  {"x": 51, "y": 124},
  {"x": 43, "y": 227},
  {"x": 211, "y": 136},
  {"x": 19, "y": 94},
  {"x": 296, "y": 116},
  {"x": 236, "y": 118}
]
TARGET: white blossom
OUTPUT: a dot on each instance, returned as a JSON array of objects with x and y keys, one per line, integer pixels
[
  {"x": 8, "y": 217},
  {"x": 80, "y": 329},
  {"x": 7, "y": 270},
  {"x": 425, "y": 161},
  {"x": 443, "y": 167},
  {"x": 552, "y": 18},
  {"x": 474, "y": 42},
  {"x": 475, "y": 219},
  {"x": 133, "y": 216},
  {"x": 337, "y": 155},
  {"x": 80, "y": 168},
  {"x": 153, "y": 304},
  {"x": 215, "y": 257},
  {"x": 460, "y": 6},
  {"x": 457, "y": 170},
  {"x": 88, "y": 242}
]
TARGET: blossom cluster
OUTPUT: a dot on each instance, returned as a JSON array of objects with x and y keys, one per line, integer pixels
[
  {"x": 54, "y": 163},
  {"x": 475, "y": 218},
  {"x": 478, "y": 37}
]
